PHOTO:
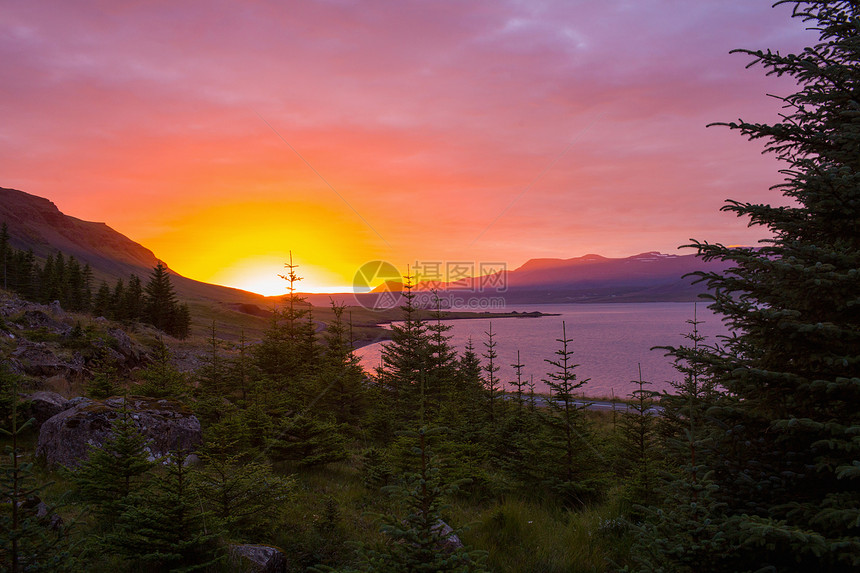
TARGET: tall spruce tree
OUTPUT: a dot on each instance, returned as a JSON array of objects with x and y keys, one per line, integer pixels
[
  {"x": 288, "y": 350},
  {"x": 784, "y": 454},
  {"x": 340, "y": 386},
  {"x": 114, "y": 471},
  {"x": 160, "y": 298},
  {"x": 686, "y": 531},
  {"x": 571, "y": 470},
  {"x": 407, "y": 358},
  {"x": 440, "y": 377},
  {"x": 163, "y": 528},
  {"x": 638, "y": 444},
  {"x": 298, "y": 321},
  {"x": 161, "y": 307},
  {"x": 492, "y": 384},
  {"x": 133, "y": 300},
  {"x": 102, "y": 302},
  {"x": 519, "y": 386}
]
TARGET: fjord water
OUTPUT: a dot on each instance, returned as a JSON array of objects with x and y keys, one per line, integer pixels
[{"x": 609, "y": 340}]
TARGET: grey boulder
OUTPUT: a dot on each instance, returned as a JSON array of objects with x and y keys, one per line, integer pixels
[{"x": 66, "y": 438}]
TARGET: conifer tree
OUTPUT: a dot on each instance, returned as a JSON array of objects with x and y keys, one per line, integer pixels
[
  {"x": 117, "y": 300},
  {"x": 239, "y": 369},
  {"x": 163, "y": 527},
  {"x": 532, "y": 397},
  {"x": 75, "y": 297},
  {"x": 638, "y": 444},
  {"x": 181, "y": 321},
  {"x": 58, "y": 280},
  {"x": 105, "y": 374},
  {"x": 28, "y": 275},
  {"x": 572, "y": 469},
  {"x": 47, "y": 285},
  {"x": 407, "y": 358},
  {"x": 102, "y": 301},
  {"x": 161, "y": 379},
  {"x": 442, "y": 367},
  {"x": 115, "y": 470},
  {"x": 86, "y": 287},
  {"x": 492, "y": 385},
  {"x": 300, "y": 338},
  {"x": 519, "y": 446},
  {"x": 133, "y": 301},
  {"x": 28, "y": 540},
  {"x": 341, "y": 385},
  {"x": 684, "y": 409},
  {"x": 272, "y": 353},
  {"x": 246, "y": 497},
  {"x": 419, "y": 540},
  {"x": 468, "y": 395},
  {"x": 308, "y": 441},
  {"x": 469, "y": 366},
  {"x": 212, "y": 374},
  {"x": 784, "y": 445},
  {"x": 160, "y": 298},
  {"x": 519, "y": 385},
  {"x": 686, "y": 530},
  {"x": 288, "y": 349},
  {"x": 161, "y": 307}
]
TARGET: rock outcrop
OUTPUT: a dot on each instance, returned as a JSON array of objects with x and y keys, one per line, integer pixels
[
  {"x": 258, "y": 558},
  {"x": 65, "y": 438},
  {"x": 46, "y": 405},
  {"x": 44, "y": 360},
  {"x": 451, "y": 541},
  {"x": 44, "y": 341}
]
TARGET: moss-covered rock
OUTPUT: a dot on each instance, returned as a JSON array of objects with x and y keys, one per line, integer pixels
[{"x": 66, "y": 438}]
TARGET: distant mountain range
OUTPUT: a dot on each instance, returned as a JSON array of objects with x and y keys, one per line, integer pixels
[
  {"x": 36, "y": 223},
  {"x": 650, "y": 276},
  {"x": 646, "y": 277}
]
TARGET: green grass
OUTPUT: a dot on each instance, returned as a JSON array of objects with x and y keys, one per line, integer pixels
[
  {"x": 521, "y": 536},
  {"x": 327, "y": 514}
]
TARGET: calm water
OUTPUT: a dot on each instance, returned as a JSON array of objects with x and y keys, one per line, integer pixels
[{"x": 608, "y": 341}]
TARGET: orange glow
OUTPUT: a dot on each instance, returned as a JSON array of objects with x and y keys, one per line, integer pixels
[
  {"x": 245, "y": 245},
  {"x": 260, "y": 274}
]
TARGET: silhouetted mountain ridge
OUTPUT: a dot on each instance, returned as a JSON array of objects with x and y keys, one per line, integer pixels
[{"x": 36, "y": 223}]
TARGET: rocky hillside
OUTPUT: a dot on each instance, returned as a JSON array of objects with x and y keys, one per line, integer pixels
[
  {"x": 36, "y": 223},
  {"x": 56, "y": 350}
]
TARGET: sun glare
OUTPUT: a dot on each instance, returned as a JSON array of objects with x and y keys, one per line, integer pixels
[
  {"x": 254, "y": 240},
  {"x": 260, "y": 275}
]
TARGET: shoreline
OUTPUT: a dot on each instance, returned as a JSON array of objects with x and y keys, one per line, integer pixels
[{"x": 450, "y": 315}]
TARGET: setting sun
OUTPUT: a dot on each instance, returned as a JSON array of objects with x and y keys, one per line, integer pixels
[
  {"x": 261, "y": 275},
  {"x": 213, "y": 245}
]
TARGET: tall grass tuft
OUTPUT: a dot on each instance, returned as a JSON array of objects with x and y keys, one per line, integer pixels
[{"x": 522, "y": 536}]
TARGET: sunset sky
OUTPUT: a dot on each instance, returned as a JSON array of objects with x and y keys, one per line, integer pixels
[{"x": 222, "y": 135}]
